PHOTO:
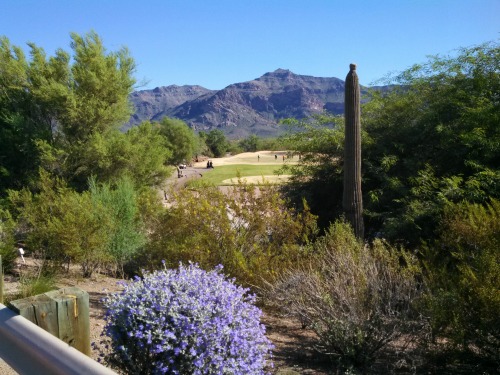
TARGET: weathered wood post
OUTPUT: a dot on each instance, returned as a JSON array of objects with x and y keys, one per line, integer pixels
[
  {"x": 352, "y": 200},
  {"x": 64, "y": 313}
]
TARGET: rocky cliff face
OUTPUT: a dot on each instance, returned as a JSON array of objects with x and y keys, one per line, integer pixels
[{"x": 252, "y": 107}]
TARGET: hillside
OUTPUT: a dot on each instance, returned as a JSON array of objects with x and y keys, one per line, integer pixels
[{"x": 240, "y": 109}]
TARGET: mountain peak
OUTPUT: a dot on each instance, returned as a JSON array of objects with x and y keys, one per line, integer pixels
[
  {"x": 280, "y": 73},
  {"x": 252, "y": 107}
]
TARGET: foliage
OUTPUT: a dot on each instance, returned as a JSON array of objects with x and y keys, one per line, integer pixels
[
  {"x": 7, "y": 240},
  {"x": 217, "y": 143},
  {"x": 58, "y": 103},
  {"x": 317, "y": 177},
  {"x": 20, "y": 119},
  {"x": 250, "y": 143},
  {"x": 358, "y": 300},
  {"x": 185, "y": 321},
  {"x": 433, "y": 141},
  {"x": 126, "y": 235},
  {"x": 181, "y": 140},
  {"x": 464, "y": 267},
  {"x": 139, "y": 154},
  {"x": 61, "y": 225},
  {"x": 100, "y": 85},
  {"x": 252, "y": 235}
]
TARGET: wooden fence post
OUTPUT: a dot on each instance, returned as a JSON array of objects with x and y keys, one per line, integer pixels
[{"x": 64, "y": 313}]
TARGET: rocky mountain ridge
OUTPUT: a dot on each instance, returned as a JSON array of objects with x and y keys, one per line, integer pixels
[{"x": 240, "y": 109}]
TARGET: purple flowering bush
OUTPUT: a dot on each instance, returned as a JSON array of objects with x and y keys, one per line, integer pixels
[{"x": 185, "y": 321}]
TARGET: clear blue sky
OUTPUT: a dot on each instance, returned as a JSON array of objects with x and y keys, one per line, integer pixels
[{"x": 214, "y": 43}]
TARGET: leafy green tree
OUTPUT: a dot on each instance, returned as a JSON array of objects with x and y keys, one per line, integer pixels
[
  {"x": 20, "y": 119},
  {"x": 202, "y": 143},
  {"x": 428, "y": 142},
  {"x": 101, "y": 83},
  {"x": 250, "y": 143},
  {"x": 433, "y": 141},
  {"x": 58, "y": 103},
  {"x": 181, "y": 140},
  {"x": 217, "y": 143},
  {"x": 317, "y": 177}
]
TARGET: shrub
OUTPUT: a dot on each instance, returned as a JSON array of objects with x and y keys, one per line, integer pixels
[
  {"x": 185, "y": 321},
  {"x": 357, "y": 299},
  {"x": 251, "y": 233},
  {"x": 7, "y": 251},
  {"x": 464, "y": 268}
]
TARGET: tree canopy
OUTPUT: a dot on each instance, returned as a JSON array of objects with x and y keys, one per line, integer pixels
[
  {"x": 181, "y": 139},
  {"x": 430, "y": 141}
]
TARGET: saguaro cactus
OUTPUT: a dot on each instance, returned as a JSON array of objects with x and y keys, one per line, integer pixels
[{"x": 352, "y": 200}]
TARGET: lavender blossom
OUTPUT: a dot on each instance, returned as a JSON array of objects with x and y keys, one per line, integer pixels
[{"x": 185, "y": 321}]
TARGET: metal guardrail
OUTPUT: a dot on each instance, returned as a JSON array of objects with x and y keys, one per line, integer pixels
[{"x": 28, "y": 349}]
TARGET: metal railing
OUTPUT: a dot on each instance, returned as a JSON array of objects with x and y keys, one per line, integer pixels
[{"x": 28, "y": 349}]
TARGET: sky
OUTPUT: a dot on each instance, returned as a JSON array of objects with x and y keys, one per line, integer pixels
[{"x": 214, "y": 43}]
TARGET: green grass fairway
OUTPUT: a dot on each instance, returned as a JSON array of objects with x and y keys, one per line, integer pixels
[{"x": 219, "y": 174}]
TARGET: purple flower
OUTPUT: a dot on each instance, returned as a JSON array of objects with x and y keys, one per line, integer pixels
[{"x": 186, "y": 321}]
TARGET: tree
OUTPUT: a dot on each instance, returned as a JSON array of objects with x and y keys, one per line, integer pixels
[
  {"x": 51, "y": 107},
  {"x": 21, "y": 122},
  {"x": 433, "y": 142},
  {"x": 217, "y": 143},
  {"x": 7, "y": 243},
  {"x": 352, "y": 201},
  {"x": 181, "y": 140},
  {"x": 318, "y": 176},
  {"x": 100, "y": 86},
  {"x": 250, "y": 143},
  {"x": 427, "y": 142}
]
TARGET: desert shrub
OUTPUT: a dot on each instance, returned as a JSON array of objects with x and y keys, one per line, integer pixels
[
  {"x": 464, "y": 268},
  {"x": 185, "y": 321},
  {"x": 357, "y": 299},
  {"x": 7, "y": 241},
  {"x": 253, "y": 235}
]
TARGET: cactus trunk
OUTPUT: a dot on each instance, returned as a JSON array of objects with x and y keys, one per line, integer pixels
[{"x": 352, "y": 200}]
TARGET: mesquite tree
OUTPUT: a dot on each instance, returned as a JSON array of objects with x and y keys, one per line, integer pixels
[{"x": 352, "y": 200}]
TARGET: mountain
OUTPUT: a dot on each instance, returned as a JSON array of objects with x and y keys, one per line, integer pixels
[{"x": 240, "y": 109}]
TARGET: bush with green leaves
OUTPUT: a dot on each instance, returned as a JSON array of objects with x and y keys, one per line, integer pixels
[
  {"x": 357, "y": 299},
  {"x": 7, "y": 250},
  {"x": 253, "y": 235},
  {"x": 464, "y": 269},
  {"x": 185, "y": 321},
  {"x": 97, "y": 227}
]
